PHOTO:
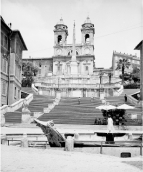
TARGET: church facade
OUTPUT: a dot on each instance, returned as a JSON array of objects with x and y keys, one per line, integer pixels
[
  {"x": 71, "y": 68},
  {"x": 84, "y": 51}
]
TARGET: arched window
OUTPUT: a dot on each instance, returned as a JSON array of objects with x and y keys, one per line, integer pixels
[
  {"x": 50, "y": 67},
  {"x": 87, "y": 38},
  {"x": 59, "y": 39},
  {"x": 76, "y": 53},
  {"x": 70, "y": 53},
  {"x": 86, "y": 68}
]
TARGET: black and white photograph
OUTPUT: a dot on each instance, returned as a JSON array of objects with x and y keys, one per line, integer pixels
[{"x": 71, "y": 84}]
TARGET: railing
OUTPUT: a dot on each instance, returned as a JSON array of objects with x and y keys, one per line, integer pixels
[
  {"x": 75, "y": 85},
  {"x": 100, "y": 144},
  {"x": 115, "y": 144},
  {"x": 133, "y": 101},
  {"x": 34, "y": 89},
  {"x": 119, "y": 91},
  {"x": 16, "y": 105}
]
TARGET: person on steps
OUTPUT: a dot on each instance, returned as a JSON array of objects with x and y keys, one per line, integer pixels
[
  {"x": 125, "y": 97},
  {"x": 79, "y": 100}
]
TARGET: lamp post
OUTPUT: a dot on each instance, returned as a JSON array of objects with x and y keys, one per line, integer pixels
[
  {"x": 110, "y": 74},
  {"x": 58, "y": 83}
]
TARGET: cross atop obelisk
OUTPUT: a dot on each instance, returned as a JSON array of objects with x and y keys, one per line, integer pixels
[{"x": 73, "y": 46}]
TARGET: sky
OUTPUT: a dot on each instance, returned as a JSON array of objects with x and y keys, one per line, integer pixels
[{"x": 118, "y": 24}]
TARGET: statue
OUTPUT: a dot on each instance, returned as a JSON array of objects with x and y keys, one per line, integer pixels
[
  {"x": 54, "y": 137},
  {"x": 110, "y": 126},
  {"x": 25, "y": 107},
  {"x": 26, "y": 116}
]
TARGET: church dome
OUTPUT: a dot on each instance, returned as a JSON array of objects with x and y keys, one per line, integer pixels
[
  {"x": 60, "y": 22},
  {"x": 87, "y": 20}
]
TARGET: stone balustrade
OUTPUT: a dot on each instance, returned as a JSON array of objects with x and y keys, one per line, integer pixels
[
  {"x": 119, "y": 91},
  {"x": 34, "y": 88},
  {"x": 16, "y": 105},
  {"x": 77, "y": 85},
  {"x": 134, "y": 101}
]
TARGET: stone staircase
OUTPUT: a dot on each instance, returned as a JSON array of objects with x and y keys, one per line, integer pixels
[
  {"x": 120, "y": 100},
  {"x": 129, "y": 91},
  {"x": 38, "y": 103},
  {"x": 28, "y": 90},
  {"x": 69, "y": 111}
]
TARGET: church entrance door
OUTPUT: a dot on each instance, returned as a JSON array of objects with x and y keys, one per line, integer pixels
[{"x": 84, "y": 93}]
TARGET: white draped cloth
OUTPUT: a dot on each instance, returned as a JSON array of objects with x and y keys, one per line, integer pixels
[{"x": 110, "y": 126}]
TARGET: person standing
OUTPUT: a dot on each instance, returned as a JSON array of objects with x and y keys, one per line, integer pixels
[
  {"x": 79, "y": 100},
  {"x": 92, "y": 98},
  {"x": 110, "y": 126},
  {"x": 125, "y": 97}
]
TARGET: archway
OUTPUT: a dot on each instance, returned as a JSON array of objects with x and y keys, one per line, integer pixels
[
  {"x": 87, "y": 38},
  {"x": 59, "y": 39}
]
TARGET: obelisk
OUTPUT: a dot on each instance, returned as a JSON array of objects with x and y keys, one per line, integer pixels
[{"x": 73, "y": 64}]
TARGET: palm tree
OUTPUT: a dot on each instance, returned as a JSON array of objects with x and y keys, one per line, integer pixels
[{"x": 123, "y": 64}]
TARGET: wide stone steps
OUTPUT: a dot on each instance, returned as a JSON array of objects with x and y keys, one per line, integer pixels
[
  {"x": 28, "y": 90},
  {"x": 36, "y": 105},
  {"x": 129, "y": 91},
  {"x": 69, "y": 111},
  {"x": 13, "y": 117}
]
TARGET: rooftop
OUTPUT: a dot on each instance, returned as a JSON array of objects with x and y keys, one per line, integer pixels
[
  {"x": 139, "y": 46},
  {"x": 130, "y": 56}
]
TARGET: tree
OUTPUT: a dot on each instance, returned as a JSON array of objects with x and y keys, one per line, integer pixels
[
  {"x": 123, "y": 64},
  {"x": 127, "y": 77},
  {"x": 29, "y": 71},
  {"x": 136, "y": 74}
]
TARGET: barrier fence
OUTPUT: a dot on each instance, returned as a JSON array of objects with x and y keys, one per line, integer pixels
[{"x": 17, "y": 138}]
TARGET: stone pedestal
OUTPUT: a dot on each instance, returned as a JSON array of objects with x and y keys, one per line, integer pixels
[
  {"x": 130, "y": 136},
  {"x": 4, "y": 140},
  {"x": 74, "y": 68},
  {"x": 24, "y": 141},
  {"x": 102, "y": 95},
  {"x": 2, "y": 120},
  {"x": 40, "y": 92},
  {"x": 69, "y": 145},
  {"x": 58, "y": 95},
  {"x": 26, "y": 118}
]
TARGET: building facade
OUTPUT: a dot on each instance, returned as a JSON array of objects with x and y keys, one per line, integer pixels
[
  {"x": 71, "y": 68},
  {"x": 12, "y": 45},
  {"x": 84, "y": 51},
  {"x": 133, "y": 59},
  {"x": 140, "y": 48}
]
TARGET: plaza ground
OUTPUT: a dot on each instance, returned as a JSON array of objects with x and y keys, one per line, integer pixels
[{"x": 17, "y": 159}]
